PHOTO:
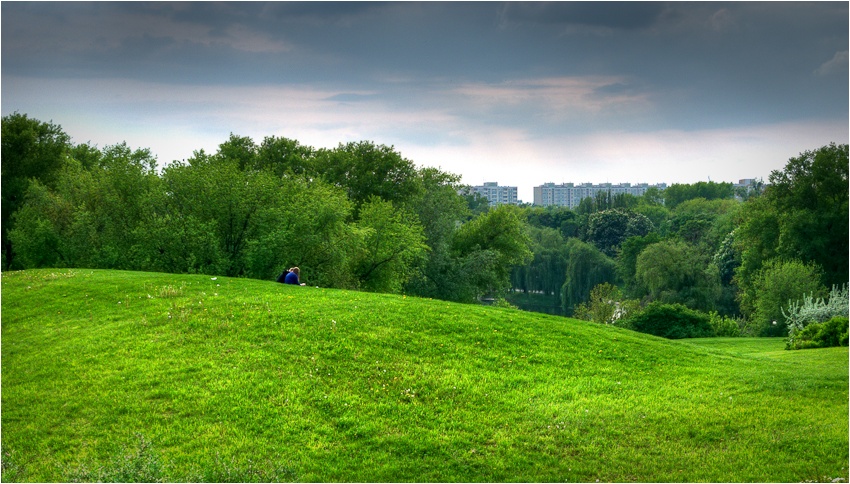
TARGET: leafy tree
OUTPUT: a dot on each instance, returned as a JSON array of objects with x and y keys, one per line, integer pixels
[
  {"x": 501, "y": 234},
  {"x": 609, "y": 228},
  {"x": 240, "y": 149},
  {"x": 285, "y": 156},
  {"x": 627, "y": 260},
  {"x": 92, "y": 214},
  {"x": 802, "y": 215},
  {"x": 625, "y": 201},
  {"x": 215, "y": 191},
  {"x": 365, "y": 170},
  {"x": 545, "y": 272},
  {"x": 304, "y": 225},
  {"x": 476, "y": 203},
  {"x": 560, "y": 218},
  {"x": 587, "y": 267},
  {"x": 777, "y": 283},
  {"x": 394, "y": 246},
  {"x": 31, "y": 150},
  {"x": 672, "y": 271},
  {"x": 440, "y": 209},
  {"x": 811, "y": 197},
  {"x": 704, "y": 222},
  {"x": 36, "y": 236}
]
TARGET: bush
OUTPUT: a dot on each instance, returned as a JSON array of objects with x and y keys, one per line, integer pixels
[
  {"x": 821, "y": 335},
  {"x": 672, "y": 321},
  {"x": 816, "y": 310},
  {"x": 606, "y": 306},
  {"x": 724, "y": 325}
]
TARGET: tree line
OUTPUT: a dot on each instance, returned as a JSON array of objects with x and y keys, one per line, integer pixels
[{"x": 361, "y": 216}]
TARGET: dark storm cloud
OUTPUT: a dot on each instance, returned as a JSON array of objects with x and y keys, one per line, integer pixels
[{"x": 757, "y": 60}]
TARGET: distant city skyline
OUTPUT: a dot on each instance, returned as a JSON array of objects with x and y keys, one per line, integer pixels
[
  {"x": 494, "y": 186},
  {"x": 675, "y": 92}
]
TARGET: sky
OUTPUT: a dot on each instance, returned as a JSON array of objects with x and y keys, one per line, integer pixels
[{"x": 516, "y": 93}]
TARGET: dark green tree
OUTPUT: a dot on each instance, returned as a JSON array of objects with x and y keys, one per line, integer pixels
[
  {"x": 31, "y": 150},
  {"x": 609, "y": 228},
  {"x": 630, "y": 249},
  {"x": 802, "y": 215},
  {"x": 440, "y": 209},
  {"x": 672, "y": 271},
  {"x": 587, "y": 267}
]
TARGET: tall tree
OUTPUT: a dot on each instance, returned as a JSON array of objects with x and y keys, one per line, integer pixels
[
  {"x": 440, "y": 209},
  {"x": 609, "y": 228},
  {"x": 31, "y": 150},
  {"x": 285, "y": 156},
  {"x": 496, "y": 241},
  {"x": 802, "y": 215},
  {"x": 587, "y": 267},
  {"x": 365, "y": 170},
  {"x": 394, "y": 246}
]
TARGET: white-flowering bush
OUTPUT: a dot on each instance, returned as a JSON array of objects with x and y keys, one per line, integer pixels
[{"x": 810, "y": 310}]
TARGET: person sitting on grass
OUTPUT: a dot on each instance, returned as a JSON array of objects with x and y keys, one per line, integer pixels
[{"x": 293, "y": 277}]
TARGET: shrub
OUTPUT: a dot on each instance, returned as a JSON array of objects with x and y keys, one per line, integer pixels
[
  {"x": 672, "y": 321},
  {"x": 606, "y": 306},
  {"x": 724, "y": 325},
  {"x": 815, "y": 310},
  {"x": 821, "y": 335}
]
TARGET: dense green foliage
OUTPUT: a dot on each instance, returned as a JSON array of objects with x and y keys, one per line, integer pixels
[
  {"x": 821, "y": 335},
  {"x": 673, "y": 321},
  {"x": 803, "y": 215},
  {"x": 678, "y": 193},
  {"x": 133, "y": 376},
  {"x": 361, "y": 216},
  {"x": 587, "y": 267}
]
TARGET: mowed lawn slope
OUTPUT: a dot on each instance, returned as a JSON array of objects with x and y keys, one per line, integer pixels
[{"x": 141, "y": 376}]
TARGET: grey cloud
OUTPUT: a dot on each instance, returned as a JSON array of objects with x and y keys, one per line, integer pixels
[{"x": 607, "y": 15}]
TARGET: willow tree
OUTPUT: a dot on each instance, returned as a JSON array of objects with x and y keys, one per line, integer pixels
[{"x": 587, "y": 267}]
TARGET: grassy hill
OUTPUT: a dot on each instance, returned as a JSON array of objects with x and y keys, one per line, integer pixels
[{"x": 129, "y": 376}]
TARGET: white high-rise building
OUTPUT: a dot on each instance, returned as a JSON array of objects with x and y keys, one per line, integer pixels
[
  {"x": 570, "y": 195},
  {"x": 497, "y": 195}
]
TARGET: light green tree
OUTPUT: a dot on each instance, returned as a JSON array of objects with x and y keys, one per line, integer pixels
[{"x": 393, "y": 246}]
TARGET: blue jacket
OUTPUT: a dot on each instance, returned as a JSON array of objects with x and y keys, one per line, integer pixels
[{"x": 291, "y": 278}]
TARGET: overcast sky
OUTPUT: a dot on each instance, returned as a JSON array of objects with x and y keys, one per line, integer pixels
[{"x": 517, "y": 93}]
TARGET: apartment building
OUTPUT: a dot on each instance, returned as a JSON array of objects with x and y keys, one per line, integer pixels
[
  {"x": 497, "y": 195},
  {"x": 570, "y": 195}
]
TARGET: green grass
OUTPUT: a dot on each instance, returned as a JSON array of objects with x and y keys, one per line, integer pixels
[{"x": 129, "y": 376}]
